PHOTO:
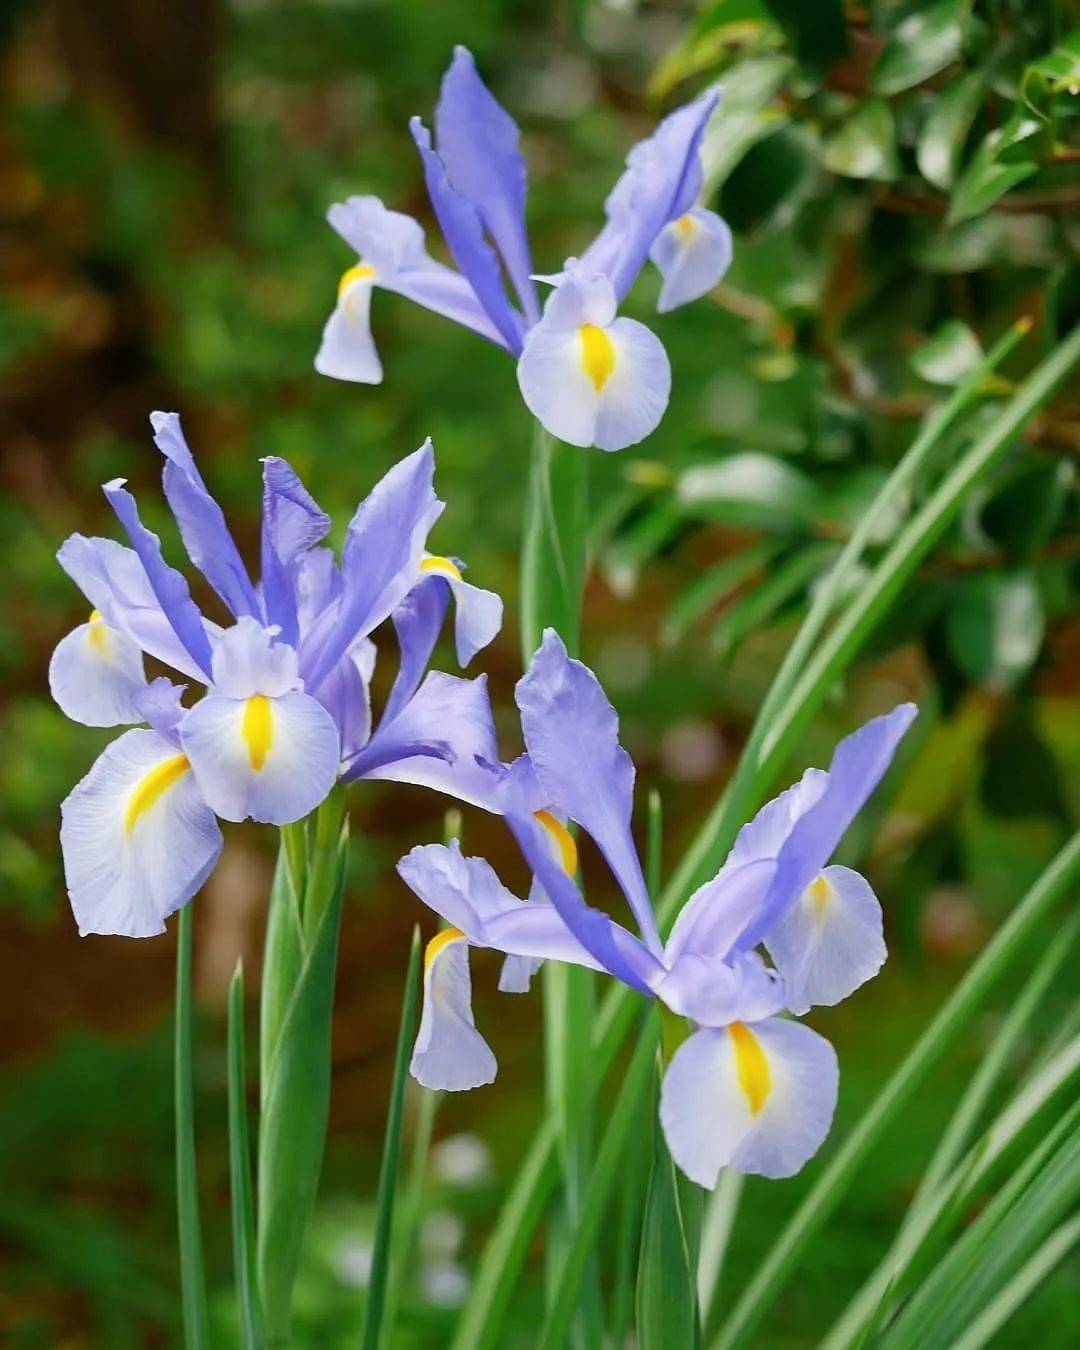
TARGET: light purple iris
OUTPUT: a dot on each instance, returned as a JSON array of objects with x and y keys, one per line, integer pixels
[
  {"x": 286, "y": 712},
  {"x": 589, "y": 377},
  {"x": 748, "y": 1089}
]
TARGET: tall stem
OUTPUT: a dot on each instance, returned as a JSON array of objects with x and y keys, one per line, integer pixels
[
  {"x": 553, "y": 560},
  {"x": 192, "y": 1277}
]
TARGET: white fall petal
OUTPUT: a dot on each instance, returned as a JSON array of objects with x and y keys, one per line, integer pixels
[
  {"x": 450, "y": 1055},
  {"x": 138, "y": 838},
  {"x": 94, "y": 674}
]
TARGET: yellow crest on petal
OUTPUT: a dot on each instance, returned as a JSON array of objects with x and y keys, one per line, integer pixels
[
  {"x": 819, "y": 893},
  {"x": 752, "y": 1067},
  {"x": 597, "y": 354},
  {"x": 152, "y": 786},
  {"x": 562, "y": 839},
  {"x": 444, "y": 567},
  {"x": 257, "y": 729},
  {"x": 360, "y": 272},
  {"x": 98, "y": 636},
  {"x": 437, "y": 943},
  {"x": 686, "y": 227}
]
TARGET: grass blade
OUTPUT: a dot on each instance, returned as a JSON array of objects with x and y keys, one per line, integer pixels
[
  {"x": 926, "y": 1204},
  {"x": 192, "y": 1276},
  {"x": 611, "y": 1155},
  {"x": 1020, "y": 1288},
  {"x": 720, "y": 1211},
  {"x": 243, "y": 1209},
  {"x": 833, "y": 1181},
  {"x": 387, "y": 1192}
]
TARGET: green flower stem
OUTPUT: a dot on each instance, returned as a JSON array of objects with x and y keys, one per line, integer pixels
[
  {"x": 192, "y": 1276},
  {"x": 552, "y": 579},
  {"x": 243, "y": 1207}
]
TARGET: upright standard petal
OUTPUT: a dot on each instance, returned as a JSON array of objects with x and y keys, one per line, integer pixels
[
  {"x": 293, "y": 523},
  {"x": 692, "y": 253},
  {"x": 201, "y": 520},
  {"x": 662, "y": 182},
  {"x": 463, "y": 231},
  {"x": 450, "y": 1055},
  {"x": 115, "y": 582},
  {"x": 271, "y": 759},
  {"x": 830, "y": 941},
  {"x": 169, "y": 587},
  {"x": 392, "y": 246},
  {"x": 572, "y": 735},
  {"x": 478, "y": 145},
  {"x": 479, "y": 612},
  {"x": 137, "y": 837},
  {"x": 857, "y": 766},
  {"x": 756, "y": 1098},
  {"x": 380, "y": 561},
  {"x": 590, "y": 378},
  {"x": 94, "y": 674},
  {"x": 418, "y": 620}
]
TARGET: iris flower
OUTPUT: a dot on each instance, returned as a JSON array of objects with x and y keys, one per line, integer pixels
[
  {"x": 590, "y": 377},
  {"x": 748, "y": 1089},
  {"x": 286, "y": 712}
]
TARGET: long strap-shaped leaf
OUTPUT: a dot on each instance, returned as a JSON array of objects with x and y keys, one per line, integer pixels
[
  {"x": 192, "y": 1277},
  {"x": 387, "y": 1192},
  {"x": 296, "y": 1103},
  {"x": 243, "y": 1208},
  {"x": 481, "y": 1320}
]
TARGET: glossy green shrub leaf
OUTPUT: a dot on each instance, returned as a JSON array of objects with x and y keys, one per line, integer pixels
[
  {"x": 924, "y": 42},
  {"x": 817, "y": 32},
  {"x": 768, "y": 179},
  {"x": 865, "y": 146},
  {"x": 995, "y": 626},
  {"x": 949, "y": 354},
  {"x": 940, "y": 147},
  {"x": 748, "y": 489},
  {"x": 985, "y": 179}
]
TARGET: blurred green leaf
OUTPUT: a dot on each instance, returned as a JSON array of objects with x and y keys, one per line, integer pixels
[
  {"x": 1061, "y": 67},
  {"x": 713, "y": 585},
  {"x": 767, "y": 180},
  {"x": 949, "y": 354},
  {"x": 755, "y": 610},
  {"x": 748, "y": 489},
  {"x": 745, "y": 119},
  {"x": 817, "y": 32},
  {"x": 923, "y": 43},
  {"x": 994, "y": 627},
  {"x": 984, "y": 180},
  {"x": 1026, "y": 510},
  {"x": 865, "y": 146},
  {"x": 940, "y": 147}
]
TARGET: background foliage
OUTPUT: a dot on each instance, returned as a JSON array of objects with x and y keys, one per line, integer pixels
[{"x": 902, "y": 184}]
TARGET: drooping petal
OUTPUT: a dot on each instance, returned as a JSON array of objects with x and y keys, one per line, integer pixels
[
  {"x": 857, "y": 766},
  {"x": 115, "y": 582},
  {"x": 450, "y": 1055},
  {"x": 167, "y": 584},
  {"x": 138, "y": 839},
  {"x": 346, "y": 696},
  {"x": 758, "y": 1099},
  {"x": 468, "y": 894},
  {"x": 347, "y": 350},
  {"x": 478, "y": 145},
  {"x": 380, "y": 561},
  {"x": 829, "y": 941},
  {"x": 463, "y": 231},
  {"x": 201, "y": 520},
  {"x": 572, "y": 735},
  {"x": 589, "y": 383},
  {"x": 661, "y": 182},
  {"x": 392, "y": 244},
  {"x": 293, "y": 523},
  {"x": 767, "y": 833},
  {"x": 479, "y": 612},
  {"x": 270, "y": 759},
  {"x": 94, "y": 674},
  {"x": 692, "y": 253}
]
